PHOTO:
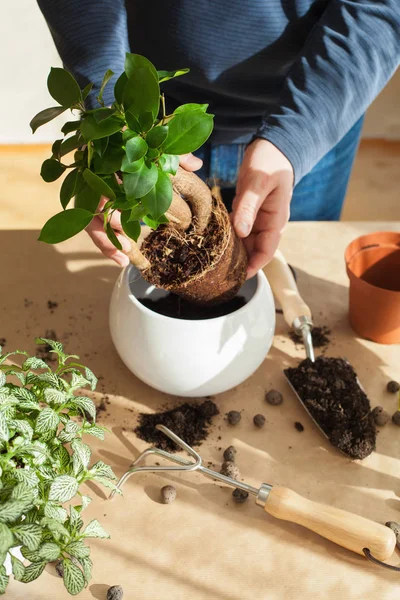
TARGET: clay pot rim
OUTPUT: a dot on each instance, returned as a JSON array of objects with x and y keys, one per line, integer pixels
[{"x": 259, "y": 276}]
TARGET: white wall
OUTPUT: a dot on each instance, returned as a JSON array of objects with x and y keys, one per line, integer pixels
[{"x": 27, "y": 52}]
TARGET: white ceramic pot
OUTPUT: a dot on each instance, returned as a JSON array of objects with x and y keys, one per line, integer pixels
[
  {"x": 15, "y": 552},
  {"x": 191, "y": 358}
]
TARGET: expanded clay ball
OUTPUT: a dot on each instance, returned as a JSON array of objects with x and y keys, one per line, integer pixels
[
  {"x": 233, "y": 417},
  {"x": 239, "y": 496},
  {"x": 230, "y": 470},
  {"x": 115, "y": 593},
  {"x": 230, "y": 453},
  {"x": 259, "y": 421},
  {"x": 380, "y": 416},
  {"x": 396, "y": 418},
  {"x": 274, "y": 397},
  {"x": 168, "y": 494},
  {"x": 393, "y": 387}
]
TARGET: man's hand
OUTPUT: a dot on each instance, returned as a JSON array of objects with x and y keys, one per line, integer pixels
[
  {"x": 99, "y": 236},
  {"x": 261, "y": 206}
]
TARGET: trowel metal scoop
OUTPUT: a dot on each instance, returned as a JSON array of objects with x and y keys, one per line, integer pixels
[{"x": 356, "y": 533}]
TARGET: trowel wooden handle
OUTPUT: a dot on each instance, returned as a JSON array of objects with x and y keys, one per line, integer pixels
[
  {"x": 346, "y": 529},
  {"x": 284, "y": 288}
]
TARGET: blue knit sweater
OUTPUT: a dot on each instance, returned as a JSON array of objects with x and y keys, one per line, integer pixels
[{"x": 299, "y": 73}]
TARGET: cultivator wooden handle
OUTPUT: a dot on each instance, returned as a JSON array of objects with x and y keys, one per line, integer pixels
[{"x": 344, "y": 528}]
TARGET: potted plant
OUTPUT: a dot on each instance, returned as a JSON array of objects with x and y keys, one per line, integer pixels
[
  {"x": 43, "y": 463},
  {"x": 129, "y": 153}
]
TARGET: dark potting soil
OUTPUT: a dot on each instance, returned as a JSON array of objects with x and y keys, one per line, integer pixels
[
  {"x": 329, "y": 389},
  {"x": 189, "y": 421},
  {"x": 177, "y": 308},
  {"x": 320, "y": 337},
  {"x": 188, "y": 254}
]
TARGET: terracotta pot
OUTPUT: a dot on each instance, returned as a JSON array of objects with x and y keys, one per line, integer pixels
[{"x": 373, "y": 267}]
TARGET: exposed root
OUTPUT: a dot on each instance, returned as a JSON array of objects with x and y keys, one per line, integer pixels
[
  {"x": 135, "y": 255},
  {"x": 179, "y": 212},
  {"x": 198, "y": 196}
]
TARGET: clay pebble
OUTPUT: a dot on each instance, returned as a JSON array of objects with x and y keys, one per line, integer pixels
[
  {"x": 229, "y": 469},
  {"x": 230, "y": 453},
  {"x": 396, "y": 418},
  {"x": 274, "y": 397},
  {"x": 115, "y": 592},
  {"x": 259, "y": 421},
  {"x": 234, "y": 417},
  {"x": 393, "y": 387},
  {"x": 380, "y": 416},
  {"x": 239, "y": 496},
  {"x": 168, "y": 494}
]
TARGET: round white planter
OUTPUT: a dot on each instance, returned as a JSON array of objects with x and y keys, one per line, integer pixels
[
  {"x": 15, "y": 552},
  {"x": 190, "y": 358}
]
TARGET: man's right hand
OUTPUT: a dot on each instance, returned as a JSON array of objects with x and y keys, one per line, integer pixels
[{"x": 99, "y": 236}]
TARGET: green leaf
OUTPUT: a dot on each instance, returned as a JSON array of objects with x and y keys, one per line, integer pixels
[
  {"x": 3, "y": 379},
  {"x": 51, "y": 170},
  {"x": 135, "y": 148},
  {"x": 137, "y": 212},
  {"x": 100, "y": 146},
  {"x": 169, "y": 163},
  {"x": 142, "y": 93},
  {"x": 119, "y": 87},
  {"x": 91, "y": 130},
  {"x": 128, "y": 167},
  {"x": 112, "y": 237},
  {"x": 11, "y": 510},
  {"x": 78, "y": 549},
  {"x": 96, "y": 431},
  {"x": 91, "y": 377},
  {"x": 6, "y": 538},
  {"x": 100, "y": 114},
  {"x": 4, "y": 432},
  {"x": 87, "y": 198},
  {"x": 98, "y": 185},
  {"x": 190, "y": 107},
  {"x": 131, "y": 228},
  {"x": 53, "y": 511},
  {"x": 71, "y": 184},
  {"x": 85, "y": 405},
  {"x": 55, "y": 149},
  {"x": 107, "y": 76},
  {"x": 49, "y": 551},
  {"x": 81, "y": 455},
  {"x": 103, "y": 470},
  {"x": 3, "y": 580},
  {"x": 146, "y": 120},
  {"x": 30, "y": 535},
  {"x": 157, "y": 136},
  {"x": 44, "y": 116},
  {"x": 74, "y": 580},
  {"x": 63, "y": 87},
  {"x": 95, "y": 530},
  {"x": 18, "y": 568},
  {"x": 54, "y": 396},
  {"x": 47, "y": 420},
  {"x": 87, "y": 567},
  {"x": 70, "y": 126},
  {"x": 65, "y": 225},
  {"x": 34, "y": 363},
  {"x": 153, "y": 223},
  {"x": 63, "y": 488},
  {"x": 187, "y": 131},
  {"x": 110, "y": 162},
  {"x": 33, "y": 571},
  {"x": 86, "y": 90},
  {"x": 166, "y": 75},
  {"x": 138, "y": 184},
  {"x": 133, "y": 62},
  {"x": 133, "y": 124},
  {"x": 159, "y": 199},
  {"x": 57, "y": 529},
  {"x": 23, "y": 427}
]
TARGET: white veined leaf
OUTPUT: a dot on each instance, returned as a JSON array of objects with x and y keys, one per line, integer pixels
[
  {"x": 26, "y": 476},
  {"x": 31, "y": 555},
  {"x": 6, "y": 538},
  {"x": 36, "y": 449},
  {"x": 24, "y": 394},
  {"x": 53, "y": 511},
  {"x": 95, "y": 530},
  {"x": 34, "y": 363},
  {"x": 64, "y": 418},
  {"x": 63, "y": 458},
  {"x": 72, "y": 427},
  {"x": 46, "y": 472},
  {"x": 49, "y": 551},
  {"x": 18, "y": 568},
  {"x": 11, "y": 510},
  {"x": 74, "y": 580},
  {"x": 29, "y": 534},
  {"x": 100, "y": 468},
  {"x": 3, "y": 379},
  {"x": 81, "y": 455},
  {"x": 3, "y": 580},
  {"x": 86, "y": 500},
  {"x": 84, "y": 404},
  {"x": 24, "y": 492},
  {"x": 33, "y": 571},
  {"x": 23, "y": 427},
  {"x": 91, "y": 377},
  {"x": 78, "y": 381},
  {"x": 52, "y": 343},
  {"x": 78, "y": 549},
  {"x": 47, "y": 420},
  {"x": 4, "y": 432},
  {"x": 56, "y": 528},
  {"x": 49, "y": 378},
  {"x": 108, "y": 484},
  {"x": 53, "y": 396},
  {"x": 69, "y": 432},
  {"x": 96, "y": 431},
  {"x": 63, "y": 488},
  {"x": 87, "y": 567},
  {"x": 75, "y": 521}
]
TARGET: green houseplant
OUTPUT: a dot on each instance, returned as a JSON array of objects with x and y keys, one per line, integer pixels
[
  {"x": 129, "y": 153},
  {"x": 43, "y": 463}
]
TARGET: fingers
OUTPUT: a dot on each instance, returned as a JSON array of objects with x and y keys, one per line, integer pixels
[
  {"x": 100, "y": 239},
  {"x": 190, "y": 162},
  {"x": 251, "y": 194},
  {"x": 264, "y": 246}
]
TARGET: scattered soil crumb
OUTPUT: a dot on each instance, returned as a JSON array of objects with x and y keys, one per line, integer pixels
[
  {"x": 320, "y": 337},
  {"x": 299, "y": 426},
  {"x": 27, "y": 303},
  {"x": 330, "y": 391},
  {"x": 3, "y": 341},
  {"x": 51, "y": 305},
  {"x": 189, "y": 421}
]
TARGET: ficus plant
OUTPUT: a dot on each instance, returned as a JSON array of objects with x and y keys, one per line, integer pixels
[
  {"x": 126, "y": 152},
  {"x": 43, "y": 464}
]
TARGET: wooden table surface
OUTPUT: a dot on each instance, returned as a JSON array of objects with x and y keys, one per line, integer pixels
[{"x": 203, "y": 546}]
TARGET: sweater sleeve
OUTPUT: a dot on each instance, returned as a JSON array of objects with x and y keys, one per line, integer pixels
[
  {"x": 91, "y": 37},
  {"x": 348, "y": 58}
]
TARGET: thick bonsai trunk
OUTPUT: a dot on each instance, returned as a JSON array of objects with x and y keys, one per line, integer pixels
[{"x": 197, "y": 255}]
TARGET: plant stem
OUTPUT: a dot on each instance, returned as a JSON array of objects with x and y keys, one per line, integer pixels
[{"x": 163, "y": 107}]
